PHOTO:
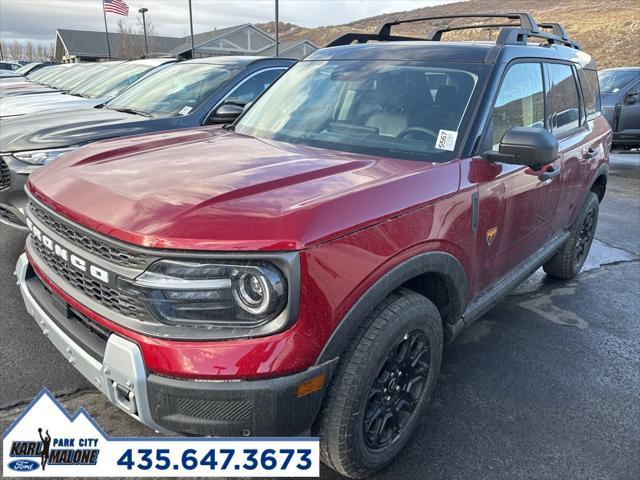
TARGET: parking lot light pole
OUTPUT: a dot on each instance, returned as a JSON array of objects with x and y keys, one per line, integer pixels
[
  {"x": 276, "y": 32},
  {"x": 193, "y": 48},
  {"x": 144, "y": 29}
]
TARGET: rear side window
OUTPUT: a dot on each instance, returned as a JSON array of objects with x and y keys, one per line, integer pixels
[
  {"x": 563, "y": 99},
  {"x": 520, "y": 102},
  {"x": 590, "y": 92}
]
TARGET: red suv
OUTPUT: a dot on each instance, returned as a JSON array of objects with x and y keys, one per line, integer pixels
[{"x": 300, "y": 270}]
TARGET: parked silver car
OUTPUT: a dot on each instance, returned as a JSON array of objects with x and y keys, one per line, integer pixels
[{"x": 90, "y": 91}]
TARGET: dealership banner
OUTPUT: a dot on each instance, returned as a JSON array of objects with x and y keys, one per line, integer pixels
[{"x": 46, "y": 441}]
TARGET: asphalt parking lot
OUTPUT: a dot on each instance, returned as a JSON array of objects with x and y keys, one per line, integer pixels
[{"x": 544, "y": 386}]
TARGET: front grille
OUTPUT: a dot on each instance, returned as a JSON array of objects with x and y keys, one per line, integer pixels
[
  {"x": 91, "y": 244},
  {"x": 116, "y": 300},
  {"x": 83, "y": 330},
  {"x": 9, "y": 216},
  {"x": 5, "y": 175}
]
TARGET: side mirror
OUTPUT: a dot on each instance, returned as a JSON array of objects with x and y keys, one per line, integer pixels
[
  {"x": 528, "y": 146},
  {"x": 226, "y": 113},
  {"x": 631, "y": 98}
]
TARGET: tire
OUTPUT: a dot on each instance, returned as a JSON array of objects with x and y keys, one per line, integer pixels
[
  {"x": 567, "y": 262},
  {"x": 404, "y": 322}
]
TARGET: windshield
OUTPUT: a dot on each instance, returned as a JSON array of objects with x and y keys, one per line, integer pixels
[
  {"x": 87, "y": 73},
  {"x": 175, "y": 90},
  {"x": 44, "y": 74},
  {"x": 61, "y": 75},
  {"x": 119, "y": 78},
  {"x": 385, "y": 108},
  {"x": 25, "y": 68},
  {"x": 613, "y": 80}
]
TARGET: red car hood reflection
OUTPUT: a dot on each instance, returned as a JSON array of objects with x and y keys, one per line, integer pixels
[{"x": 209, "y": 189}]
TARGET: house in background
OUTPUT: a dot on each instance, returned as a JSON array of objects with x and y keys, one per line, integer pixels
[
  {"x": 298, "y": 49},
  {"x": 246, "y": 39},
  {"x": 243, "y": 39},
  {"x": 74, "y": 46}
]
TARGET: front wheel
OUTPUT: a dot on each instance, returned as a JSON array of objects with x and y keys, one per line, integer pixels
[
  {"x": 568, "y": 261},
  {"x": 381, "y": 385}
]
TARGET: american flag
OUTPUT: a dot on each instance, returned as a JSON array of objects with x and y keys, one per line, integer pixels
[{"x": 116, "y": 6}]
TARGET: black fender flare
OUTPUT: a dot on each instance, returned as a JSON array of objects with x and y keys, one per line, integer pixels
[
  {"x": 441, "y": 263},
  {"x": 602, "y": 170}
]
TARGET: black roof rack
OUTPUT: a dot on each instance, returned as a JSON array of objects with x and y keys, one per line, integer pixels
[
  {"x": 556, "y": 28},
  {"x": 510, "y": 33}
]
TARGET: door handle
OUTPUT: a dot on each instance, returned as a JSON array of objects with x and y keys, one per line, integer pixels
[
  {"x": 549, "y": 174},
  {"x": 589, "y": 154}
]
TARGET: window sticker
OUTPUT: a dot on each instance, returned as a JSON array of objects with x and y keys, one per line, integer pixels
[
  {"x": 446, "y": 140},
  {"x": 185, "y": 110}
]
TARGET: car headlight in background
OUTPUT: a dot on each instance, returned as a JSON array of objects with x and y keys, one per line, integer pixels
[
  {"x": 211, "y": 293},
  {"x": 40, "y": 157}
]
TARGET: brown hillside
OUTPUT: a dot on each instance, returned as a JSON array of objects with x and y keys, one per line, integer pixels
[{"x": 608, "y": 30}]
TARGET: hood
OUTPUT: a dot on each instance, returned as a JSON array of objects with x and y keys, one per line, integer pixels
[
  {"x": 209, "y": 189},
  {"x": 20, "y": 89},
  {"x": 73, "y": 127},
  {"x": 19, "y": 105}
]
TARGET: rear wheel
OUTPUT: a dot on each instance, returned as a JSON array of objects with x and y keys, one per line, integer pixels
[
  {"x": 568, "y": 261},
  {"x": 381, "y": 385}
]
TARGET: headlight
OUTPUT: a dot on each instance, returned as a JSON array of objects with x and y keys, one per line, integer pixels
[
  {"x": 41, "y": 157},
  {"x": 210, "y": 294}
]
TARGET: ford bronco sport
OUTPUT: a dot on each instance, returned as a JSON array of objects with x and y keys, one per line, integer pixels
[{"x": 299, "y": 270}]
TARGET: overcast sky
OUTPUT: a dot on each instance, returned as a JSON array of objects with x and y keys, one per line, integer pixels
[{"x": 37, "y": 20}]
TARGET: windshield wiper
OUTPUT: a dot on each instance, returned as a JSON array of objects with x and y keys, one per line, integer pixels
[{"x": 135, "y": 112}]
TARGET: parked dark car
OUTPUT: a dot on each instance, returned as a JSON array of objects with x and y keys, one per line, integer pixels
[
  {"x": 187, "y": 94},
  {"x": 620, "y": 93}
]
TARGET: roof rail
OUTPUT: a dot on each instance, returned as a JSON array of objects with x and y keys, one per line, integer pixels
[
  {"x": 526, "y": 20},
  {"x": 520, "y": 36},
  {"x": 556, "y": 28},
  {"x": 511, "y": 33}
]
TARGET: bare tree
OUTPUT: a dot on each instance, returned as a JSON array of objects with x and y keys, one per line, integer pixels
[
  {"x": 151, "y": 32},
  {"x": 15, "y": 50},
  {"x": 4, "y": 49},
  {"x": 39, "y": 51},
  {"x": 130, "y": 45},
  {"x": 29, "y": 51},
  {"x": 50, "y": 51}
]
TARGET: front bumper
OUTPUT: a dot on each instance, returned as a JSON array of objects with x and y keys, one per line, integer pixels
[
  {"x": 271, "y": 407},
  {"x": 13, "y": 200}
]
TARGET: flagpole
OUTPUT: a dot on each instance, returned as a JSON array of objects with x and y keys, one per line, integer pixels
[{"x": 106, "y": 29}]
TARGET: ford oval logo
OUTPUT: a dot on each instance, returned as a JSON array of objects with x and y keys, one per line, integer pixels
[{"x": 23, "y": 465}]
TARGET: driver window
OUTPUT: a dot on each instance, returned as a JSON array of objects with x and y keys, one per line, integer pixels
[
  {"x": 520, "y": 102},
  {"x": 250, "y": 90}
]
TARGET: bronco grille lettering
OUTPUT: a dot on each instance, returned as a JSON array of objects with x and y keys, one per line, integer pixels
[{"x": 77, "y": 262}]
